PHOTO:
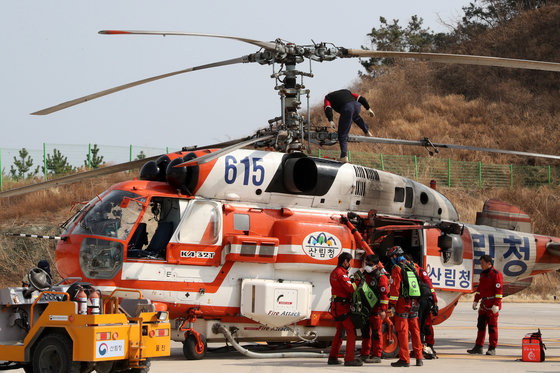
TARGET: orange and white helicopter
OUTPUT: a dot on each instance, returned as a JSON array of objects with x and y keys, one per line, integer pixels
[{"x": 238, "y": 243}]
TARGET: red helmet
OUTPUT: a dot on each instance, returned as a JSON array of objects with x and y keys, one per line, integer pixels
[{"x": 395, "y": 250}]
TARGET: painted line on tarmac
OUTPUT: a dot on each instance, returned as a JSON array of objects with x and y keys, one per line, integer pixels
[
  {"x": 499, "y": 327},
  {"x": 484, "y": 357}
]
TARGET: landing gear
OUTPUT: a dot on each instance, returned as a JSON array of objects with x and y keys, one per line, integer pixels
[{"x": 195, "y": 348}]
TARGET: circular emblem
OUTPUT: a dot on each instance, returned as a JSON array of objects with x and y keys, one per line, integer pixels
[
  {"x": 498, "y": 285},
  {"x": 382, "y": 289},
  {"x": 103, "y": 349}
]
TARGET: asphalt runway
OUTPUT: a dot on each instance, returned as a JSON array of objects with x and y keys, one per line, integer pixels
[{"x": 453, "y": 338}]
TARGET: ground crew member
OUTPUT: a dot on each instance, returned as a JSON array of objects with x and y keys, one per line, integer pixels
[
  {"x": 371, "y": 334},
  {"x": 341, "y": 290},
  {"x": 347, "y": 104},
  {"x": 489, "y": 292},
  {"x": 405, "y": 309},
  {"x": 426, "y": 305}
]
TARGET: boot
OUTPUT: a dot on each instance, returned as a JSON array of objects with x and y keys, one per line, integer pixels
[
  {"x": 375, "y": 359},
  {"x": 366, "y": 359},
  {"x": 353, "y": 363},
  {"x": 491, "y": 351},
  {"x": 333, "y": 361},
  {"x": 343, "y": 160},
  {"x": 475, "y": 350},
  {"x": 369, "y": 134},
  {"x": 400, "y": 363},
  {"x": 419, "y": 362}
]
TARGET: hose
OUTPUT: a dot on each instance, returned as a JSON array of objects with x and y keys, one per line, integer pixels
[{"x": 219, "y": 328}]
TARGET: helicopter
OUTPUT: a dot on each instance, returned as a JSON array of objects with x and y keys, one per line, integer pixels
[{"x": 237, "y": 243}]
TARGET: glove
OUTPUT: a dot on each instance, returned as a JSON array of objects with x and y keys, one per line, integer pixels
[
  {"x": 333, "y": 126},
  {"x": 391, "y": 311},
  {"x": 371, "y": 113},
  {"x": 495, "y": 309},
  {"x": 435, "y": 310},
  {"x": 474, "y": 305}
]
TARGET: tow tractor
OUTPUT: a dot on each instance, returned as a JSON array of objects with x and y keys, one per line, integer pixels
[{"x": 70, "y": 328}]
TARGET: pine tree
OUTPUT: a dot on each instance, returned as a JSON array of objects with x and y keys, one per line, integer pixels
[
  {"x": 96, "y": 159},
  {"x": 140, "y": 155},
  {"x": 22, "y": 166},
  {"x": 57, "y": 164}
]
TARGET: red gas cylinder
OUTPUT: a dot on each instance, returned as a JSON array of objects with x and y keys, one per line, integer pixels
[
  {"x": 82, "y": 300},
  {"x": 94, "y": 303}
]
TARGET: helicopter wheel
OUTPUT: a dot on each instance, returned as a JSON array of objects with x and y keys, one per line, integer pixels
[
  {"x": 389, "y": 342},
  {"x": 192, "y": 350}
]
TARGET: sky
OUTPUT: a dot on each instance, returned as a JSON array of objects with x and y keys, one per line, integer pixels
[{"x": 52, "y": 52}]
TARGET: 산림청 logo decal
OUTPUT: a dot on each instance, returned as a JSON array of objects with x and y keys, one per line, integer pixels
[
  {"x": 103, "y": 349},
  {"x": 322, "y": 246}
]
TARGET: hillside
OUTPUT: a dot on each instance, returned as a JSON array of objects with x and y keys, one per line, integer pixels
[{"x": 484, "y": 107}]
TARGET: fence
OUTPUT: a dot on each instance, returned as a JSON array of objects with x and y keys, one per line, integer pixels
[
  {"x": 423, "y": 169},
  {"x": 78, "y": 156},
  {"x": 455, "y": 173}
]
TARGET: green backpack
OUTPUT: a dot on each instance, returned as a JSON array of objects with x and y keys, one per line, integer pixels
[
  {"x": 410, "y": 284},
  {"x": 363, "y": 300}
]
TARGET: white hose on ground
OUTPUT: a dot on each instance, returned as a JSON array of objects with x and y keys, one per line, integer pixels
[{"x": 219, "y": 328}]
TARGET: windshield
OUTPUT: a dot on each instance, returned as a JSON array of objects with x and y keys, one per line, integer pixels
[{"x": 114, "y": 216}]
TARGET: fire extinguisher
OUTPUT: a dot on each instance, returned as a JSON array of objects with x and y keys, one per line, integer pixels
[
  {"x": 94, "y": 303},
  {"x": 82, "y": 299}
]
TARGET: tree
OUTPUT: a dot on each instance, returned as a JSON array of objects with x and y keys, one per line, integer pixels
[
  {"x": 57, "y": 164},
  {"x": 393, "y": 37},
  {"x": 96, "y": 160},
  {"x": 23, "y": 165},
  {"x": 140, "y": 155}
]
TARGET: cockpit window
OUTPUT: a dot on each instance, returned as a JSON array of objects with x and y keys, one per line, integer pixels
[
  {"x": 114, "y": 216},
  {"x": 69, "y": 224}
]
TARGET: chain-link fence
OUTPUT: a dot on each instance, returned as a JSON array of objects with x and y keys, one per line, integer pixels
[{"x": 423, "y": 169}]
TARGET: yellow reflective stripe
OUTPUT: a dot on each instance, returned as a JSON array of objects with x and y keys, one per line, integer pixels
[
  {"x": 354, "y": 286},
  {"x": 433, "y": 291},
  {"x": 384, "y": 301},
  {"x": 499, "y": 295},
  {"x": 393, "y": 298}
]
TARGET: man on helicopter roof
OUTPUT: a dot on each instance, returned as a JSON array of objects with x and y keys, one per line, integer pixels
[{"x": 347, "y": 104}]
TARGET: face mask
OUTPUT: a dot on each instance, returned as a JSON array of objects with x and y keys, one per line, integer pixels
[{"x": 368, "y": 269}]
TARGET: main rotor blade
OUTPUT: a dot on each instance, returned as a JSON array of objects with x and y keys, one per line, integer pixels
[
  {"x": 262, "y": 44},
  {"x": 76, "y": 177},
  {"x": 67, "y": 104},
  {"x": 427, "y": 143},
  {"x": 102, "y": 171},
  {"x": 211, "y": 156},
  {"x": 460, "y": 59}
]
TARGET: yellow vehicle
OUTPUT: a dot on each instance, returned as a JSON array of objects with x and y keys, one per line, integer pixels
[{"x": 52, "y": 331}]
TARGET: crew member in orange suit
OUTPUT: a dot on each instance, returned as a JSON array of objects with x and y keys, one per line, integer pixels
[
  {"x": 347, "y": 104},
  {"x": 427, "y": 305},
  {"x": 405, "y": 310},
  {"x": 379, "y": 283},
  {"x": 341, "y": 289},
  {"x": 489, "y": 292}
]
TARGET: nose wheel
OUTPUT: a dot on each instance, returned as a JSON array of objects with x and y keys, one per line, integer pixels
[{"x": 194, "y": 346}]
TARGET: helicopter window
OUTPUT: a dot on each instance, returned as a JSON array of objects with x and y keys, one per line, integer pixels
[
  {"x": 201, "y": 224},
  {"x": 399, "y": 194},
  {"x": 113, "y": 216},
  {"x": 409, "y": 197},
  {"x": 69, "y": 224},
  {"x": 424, "y": 198},
  {"x": 241, "y": 222},
  {"x": 100, "y": 258}
]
